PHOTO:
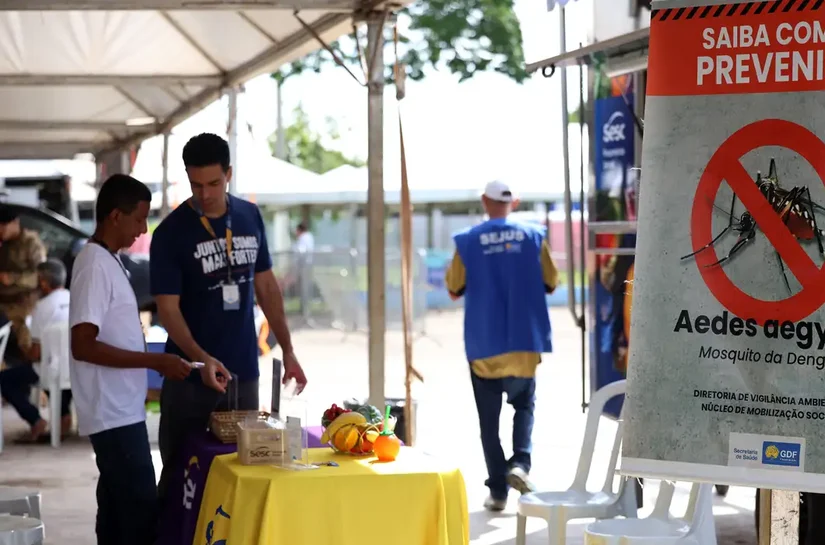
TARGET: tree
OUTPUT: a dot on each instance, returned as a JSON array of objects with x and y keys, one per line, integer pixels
[
  {"x": 465, "y": 36},
  {"x": 305, "y": 147}
]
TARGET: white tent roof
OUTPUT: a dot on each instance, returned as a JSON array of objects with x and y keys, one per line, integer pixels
[
  {"x": 94, "y": 80},
  {"x": 348, "y": 185},
  {"x": 257, "y": 171}
]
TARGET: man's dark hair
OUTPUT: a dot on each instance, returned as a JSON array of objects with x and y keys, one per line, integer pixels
[
  {"x": 8, "y": 214},
  {"x": 302, "y": 227},
  {"x": 54, "y": 271},
  {"x": 206, "y": 149},
  {"x": 120, "y": 192}
]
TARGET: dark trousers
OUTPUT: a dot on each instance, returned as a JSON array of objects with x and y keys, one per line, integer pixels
[
  {"x": 15, "y": 387},
  {"x": 185, "y": 408},
  {"x": 127, "y": 502},
  {"x": 521, "y": 394}
]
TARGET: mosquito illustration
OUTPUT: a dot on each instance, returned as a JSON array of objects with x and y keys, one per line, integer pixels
[{"x": 794, "y": 207}]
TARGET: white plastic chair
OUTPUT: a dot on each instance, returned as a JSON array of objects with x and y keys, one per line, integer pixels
[
  {"x": 54, "y": 371},
  {"x": 16, "y": 530},
  {"x": 5, "y": 331},
  {"x": 19, "y": 501},
  {"x": 559, "y": 507},
  {"x": 660, "y": 528}
]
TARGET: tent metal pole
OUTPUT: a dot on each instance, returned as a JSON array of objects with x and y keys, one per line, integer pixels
[{"x": 376, "y": 265}]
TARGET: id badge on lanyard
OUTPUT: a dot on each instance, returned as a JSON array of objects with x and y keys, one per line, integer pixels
[{"x": 230, "y": 293}]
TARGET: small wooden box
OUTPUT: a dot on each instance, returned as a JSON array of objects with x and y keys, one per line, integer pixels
[{"x": 260, "y": 444}]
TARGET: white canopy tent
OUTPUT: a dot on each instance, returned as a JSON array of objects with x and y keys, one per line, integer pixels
[
  {"x": 347, "y": 185},
  {"x": 91, "y": 80},
  {"x": 111, "y": 73},
  {"x": 259, "y": 174}
]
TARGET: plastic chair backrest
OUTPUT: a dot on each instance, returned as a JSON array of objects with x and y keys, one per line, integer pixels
[
  {"x": 54, "y": 354},
  {"x": 594, "y": 414},
  {"x": 699, "y": 495},
  {"x": 662, "y": 508},
  {"x": 5, "y": 333}
]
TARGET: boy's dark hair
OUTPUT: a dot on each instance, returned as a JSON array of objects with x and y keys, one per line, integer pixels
[
  {"x": 120, "y": 192},
  {"x": 206, "y": 149}
]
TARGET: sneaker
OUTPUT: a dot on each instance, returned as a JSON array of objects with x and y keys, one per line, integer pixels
[
  {"x": 492, "y": 504},
  {"x": 518, "y": 479}
]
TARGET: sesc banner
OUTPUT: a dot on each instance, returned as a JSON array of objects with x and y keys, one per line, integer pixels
[
  {"x": 615, "y": 186},
  {"x": 726, "y": 379}
]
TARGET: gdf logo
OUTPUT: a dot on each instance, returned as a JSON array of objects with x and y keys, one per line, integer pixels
[{"x": 613, "y": 130}]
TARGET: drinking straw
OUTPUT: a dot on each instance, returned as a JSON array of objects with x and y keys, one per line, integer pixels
[{"x": 387, "y": 422}]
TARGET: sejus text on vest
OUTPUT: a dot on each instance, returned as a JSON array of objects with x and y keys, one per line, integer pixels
[{"x": 505, "y": 309}]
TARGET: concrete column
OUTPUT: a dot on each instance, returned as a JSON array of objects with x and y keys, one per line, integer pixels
[
  {"x": 164, "y": 187},
  {"x": 430, "y": 226},
  {"x": 280, "y": 145},
  {"x": 376, "y": 243},
  {"x": 232, "y": 138}
]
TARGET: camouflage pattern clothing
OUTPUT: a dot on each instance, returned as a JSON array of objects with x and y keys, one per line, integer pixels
[{"x": 19, "y": 258}]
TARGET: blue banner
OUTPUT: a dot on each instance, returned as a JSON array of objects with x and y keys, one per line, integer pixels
[{"x": 615, "y": 201}]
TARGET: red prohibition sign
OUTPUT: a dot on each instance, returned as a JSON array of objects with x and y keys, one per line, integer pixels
[{"x": 726, "y": 165}]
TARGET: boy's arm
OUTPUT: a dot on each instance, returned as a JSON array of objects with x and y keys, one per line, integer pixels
[{"x": 92, "y": 291}]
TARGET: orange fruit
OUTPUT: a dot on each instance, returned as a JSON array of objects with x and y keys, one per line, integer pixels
[
  {"x": 346, "y": 438},
  {"x": 387, "y": 447}
]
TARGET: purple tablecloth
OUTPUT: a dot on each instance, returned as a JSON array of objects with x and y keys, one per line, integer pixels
[{"x": 179, "y": 517}]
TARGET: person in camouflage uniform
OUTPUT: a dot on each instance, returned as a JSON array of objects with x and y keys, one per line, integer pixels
[{"x": 21, "y": 251}]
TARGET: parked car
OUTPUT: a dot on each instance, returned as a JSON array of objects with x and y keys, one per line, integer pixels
[{"x": 64, "y": 241}]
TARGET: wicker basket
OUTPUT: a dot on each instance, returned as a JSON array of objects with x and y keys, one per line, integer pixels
[
  {"x": 224, "y": 424},
  {"x": 359, "y": 450}
]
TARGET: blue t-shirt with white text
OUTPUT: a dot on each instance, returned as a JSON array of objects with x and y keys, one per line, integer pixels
[{"x": 186, "y": 260}]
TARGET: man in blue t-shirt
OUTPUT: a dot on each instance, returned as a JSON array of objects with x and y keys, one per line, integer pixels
[{"x": 209, "y": 262}]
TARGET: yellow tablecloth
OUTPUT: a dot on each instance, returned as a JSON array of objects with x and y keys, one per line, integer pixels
[{"x": 415, "y": 500}]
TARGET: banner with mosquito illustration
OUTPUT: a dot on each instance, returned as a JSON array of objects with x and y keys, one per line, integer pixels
[{"x": 726, "y": 373}]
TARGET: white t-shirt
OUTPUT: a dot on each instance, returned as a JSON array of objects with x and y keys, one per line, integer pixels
[
  {"x": 106, "y": 397},
  {"x": 305, "y": 242},
  {"x": 50, "y": 310}
]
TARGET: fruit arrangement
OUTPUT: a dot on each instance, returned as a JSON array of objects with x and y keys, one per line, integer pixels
[{"x": 353, "y": 429}]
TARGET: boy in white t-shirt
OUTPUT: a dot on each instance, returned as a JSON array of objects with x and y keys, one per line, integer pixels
[{"x": 108, "y": 367}]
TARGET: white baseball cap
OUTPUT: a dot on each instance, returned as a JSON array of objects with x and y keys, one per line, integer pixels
[{"x": 498, "y": 191}]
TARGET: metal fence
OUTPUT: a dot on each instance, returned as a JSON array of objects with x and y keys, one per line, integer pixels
[{"x": 328, "y": 288}]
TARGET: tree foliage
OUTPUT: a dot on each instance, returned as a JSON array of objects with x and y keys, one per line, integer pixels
[
  {"x": 305, "y": 147},
  {"x": 464, "y": 36}
]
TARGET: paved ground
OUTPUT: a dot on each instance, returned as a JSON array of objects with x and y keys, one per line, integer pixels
[{"x": 336, "y": 366}]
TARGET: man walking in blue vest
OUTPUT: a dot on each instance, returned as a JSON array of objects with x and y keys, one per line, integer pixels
[{"x": 503, "y": 269}]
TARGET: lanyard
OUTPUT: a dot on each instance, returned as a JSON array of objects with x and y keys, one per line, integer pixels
[
  {"x": 128, "y": 279},
  {"x": 111, "y": 253},
  {"x": 211, "y": 231}
]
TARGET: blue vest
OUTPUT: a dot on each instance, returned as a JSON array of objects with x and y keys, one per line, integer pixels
[{"x": 505, "y": 309}]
